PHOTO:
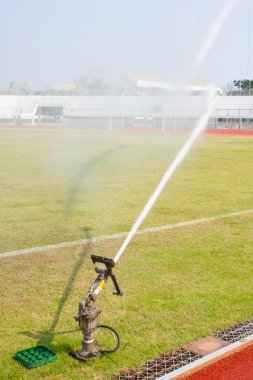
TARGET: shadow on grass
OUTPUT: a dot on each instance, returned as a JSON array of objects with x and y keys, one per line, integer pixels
[
  {"x": 46, "y": 337},
  {"x": 85, "y": 172}
]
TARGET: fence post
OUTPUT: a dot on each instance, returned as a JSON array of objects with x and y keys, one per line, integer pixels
[
  {"x": 110, "y": 127},
  {"x": 175, "y": 123},
  {"x": 240, "y": 120},
  {"x": 163, "y": 125},
  {"x": 123, "y": 118}
]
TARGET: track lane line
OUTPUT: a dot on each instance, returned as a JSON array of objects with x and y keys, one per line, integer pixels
[{"x": 122, "y": 234}]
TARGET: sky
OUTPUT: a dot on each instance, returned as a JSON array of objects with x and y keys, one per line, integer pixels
[{"x": 50, "y": 42}]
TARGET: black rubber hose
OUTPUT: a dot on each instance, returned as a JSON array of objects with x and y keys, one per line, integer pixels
[{"x": 117, "y": 336}]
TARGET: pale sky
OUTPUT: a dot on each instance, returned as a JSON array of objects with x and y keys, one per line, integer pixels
[{"x": 49, "y": 42}]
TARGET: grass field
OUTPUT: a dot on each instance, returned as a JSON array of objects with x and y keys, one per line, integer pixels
[{"x": 58, "y": 185}]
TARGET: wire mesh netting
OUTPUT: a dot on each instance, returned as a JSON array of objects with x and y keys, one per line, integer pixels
[
  {"x": 236, "y": 332},
  {"x": 168, "y": 362},
  {"x": 159, "y": 366}
]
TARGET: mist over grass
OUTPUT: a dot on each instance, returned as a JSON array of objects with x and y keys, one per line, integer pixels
[
  {"x": 56, "y": 182},
  {"x": 53, "y": 187}
]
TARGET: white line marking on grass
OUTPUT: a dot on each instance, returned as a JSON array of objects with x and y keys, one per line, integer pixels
[{"x": 123, "y": 234}]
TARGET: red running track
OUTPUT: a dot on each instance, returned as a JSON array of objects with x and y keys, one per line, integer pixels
[
  {"x": 237, "y": 132},
  {"x": 237, "y": 366}
]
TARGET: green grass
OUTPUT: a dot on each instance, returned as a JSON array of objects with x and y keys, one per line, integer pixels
[
  {"x": 179, "y": 285},
  {"x": 61, "y": 182}
]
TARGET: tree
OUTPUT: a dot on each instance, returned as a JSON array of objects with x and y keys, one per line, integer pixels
[
  {"x": 18, "y": 89},
  {"x": 243, "y": 85}
]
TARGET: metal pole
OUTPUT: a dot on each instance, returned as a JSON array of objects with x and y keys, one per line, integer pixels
[
  {"x": 123, "y": 118},
  {"x": 110, "y": 119},
  {"x": 248, "y": 48},
  {"x": 175, "y": 123},
  {"x": 163, "y": 126}
]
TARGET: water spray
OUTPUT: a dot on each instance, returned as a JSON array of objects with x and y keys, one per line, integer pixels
[
  {"x": 215, "y": 30},
  {"x": 169, "y": 172},
  {"x": 88, "y": 314}
]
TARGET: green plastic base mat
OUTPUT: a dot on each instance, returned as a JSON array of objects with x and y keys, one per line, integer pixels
[{"x": 35, "y": 356}]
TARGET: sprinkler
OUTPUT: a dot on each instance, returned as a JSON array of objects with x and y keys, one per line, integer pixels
[{"x": 88, "y": 314}]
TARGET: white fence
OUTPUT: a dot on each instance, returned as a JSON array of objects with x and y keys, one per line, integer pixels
[{"x": 125, "y": 111}]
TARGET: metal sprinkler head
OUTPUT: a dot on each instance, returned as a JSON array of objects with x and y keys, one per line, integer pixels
[{"x": 88, "y": 314}]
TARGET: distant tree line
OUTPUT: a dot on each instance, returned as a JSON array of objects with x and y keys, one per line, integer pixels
[
  {"x": 15, "y": 88},
  {"x": 244, "y": 84}
]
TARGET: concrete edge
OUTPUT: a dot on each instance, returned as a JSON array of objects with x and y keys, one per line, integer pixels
[{"x": 215, "y": 356}]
